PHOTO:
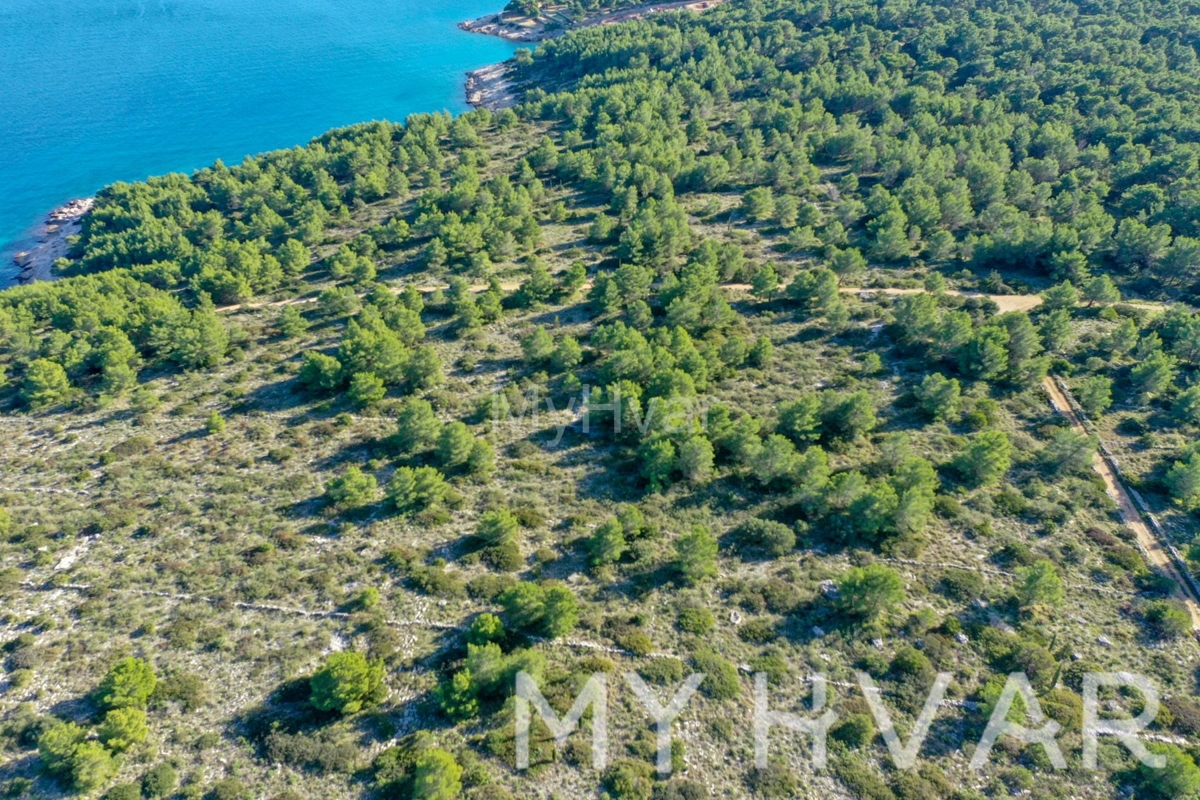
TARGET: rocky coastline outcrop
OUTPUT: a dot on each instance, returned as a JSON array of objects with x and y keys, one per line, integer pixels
[
  {"x": 491, "y": 87},
  {"x": 52, "y": 239}
]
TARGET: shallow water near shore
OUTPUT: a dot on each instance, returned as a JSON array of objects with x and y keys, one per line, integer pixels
[{"x": 108, "y": 90}]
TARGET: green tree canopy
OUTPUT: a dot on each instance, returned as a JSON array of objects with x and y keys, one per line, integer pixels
[
  {"x": 696, "y": 555},
  {"x": 1039, "y": 584},
  {"x": 123, "y": 728},
  {"x": 870, "y": 591},
  {"x": 352, "y": 489},
  {"x": 347, "y": 683},
  {"x": 986, "y": 459},
  {"x": 129, "y": 684}
]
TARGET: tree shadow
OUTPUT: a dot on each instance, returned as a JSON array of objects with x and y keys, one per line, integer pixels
[
  {"x": 197, "y": 433},
  {"x": 78, "y": 709},
  {"x": 278, "y": 397}
]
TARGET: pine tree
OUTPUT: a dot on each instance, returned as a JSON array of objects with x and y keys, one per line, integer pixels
[
  {"x": 347, "y": 683},
  {"x": 696, "y": 555}
]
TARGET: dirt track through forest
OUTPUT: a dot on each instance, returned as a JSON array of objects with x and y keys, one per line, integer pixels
[
  {"x": 1151, "y": 545},
  {"x": 1004, "y": 302}
]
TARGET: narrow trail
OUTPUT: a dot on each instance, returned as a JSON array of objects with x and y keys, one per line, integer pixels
[
  {"x": 1153, "y": 546},
  {"x": 332, "y": 614},
  {"x": 639, "y": 12},
  {"x": 1005, "y": 302},
  {"x": 296, "y": 301}
]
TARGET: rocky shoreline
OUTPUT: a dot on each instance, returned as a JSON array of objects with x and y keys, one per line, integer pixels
[
  {"x": 37, "y": 263},
  {"x": 497, "y": 25},
  {"x": 492, "y": 87}
]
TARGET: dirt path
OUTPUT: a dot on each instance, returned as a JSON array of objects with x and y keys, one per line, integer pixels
[
  {"x": 1005, "y": 302},
  {"x": 639, "y": 12},
  {"x": 295, "y": 301},
  {"x": 1151, "y": 545}
]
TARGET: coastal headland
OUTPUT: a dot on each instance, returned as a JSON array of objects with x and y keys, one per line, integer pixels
[{"x": 53, "y": 241}]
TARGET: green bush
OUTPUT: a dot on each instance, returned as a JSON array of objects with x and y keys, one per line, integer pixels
[
  {"x": 962, "y": 585},
  {"x": 774, "y": 539},
  {"x": 160, "y": 782},
  {"x": 696, "y": 619},
  {"x": 776, "y": 782},
  {"x": 325, "y": 752},
  {"x": 861, "y": 779},
  {"x": 545, "y": 609},
  {"x": 757, "y": 631},
  {"x": 437, "y": 776},
  {"x": 10, "y": 577},
  {"x": 721, "y": 677},
  {"x": 636, "y": 642},
  {"x": 505, "y": 557},
  {"x": 56, "y": 746},
  {"x": 92, "y": 766},
  {"x": 229, "y": 789},
  {"x": 350, "y": 490},
  {"x": 663, "y": 671},
  {"x": 855, "y": 731},
  {"x": 869, "y": 592},
  {"x": 414, "y": 489},
  {"x": 1168, "y": 619},
  {"x": 1178, "y": 780},
  {"x": 215, "y": 424},
  {"x": 124, "y": 791},
  {"x": 488, "y": 587},
  {"x": 696, "y": 555},
  {"x": 186, "y": 688},
  {"x": 486, "y": 627},
  {"x": 626, "y": 779},
  {"x": 436, "y": 581},
  {"x": 912, "y": 663},
  {"x": 497, "y": 528}
]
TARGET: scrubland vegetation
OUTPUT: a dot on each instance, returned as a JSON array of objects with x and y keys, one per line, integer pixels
[{"x": 278, "y": 520}]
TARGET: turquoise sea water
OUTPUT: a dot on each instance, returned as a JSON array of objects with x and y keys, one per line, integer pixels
[{"x": 97, "y": 91}]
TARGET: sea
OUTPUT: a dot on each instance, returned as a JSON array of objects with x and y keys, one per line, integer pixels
[{"x": 98, "y": 91}]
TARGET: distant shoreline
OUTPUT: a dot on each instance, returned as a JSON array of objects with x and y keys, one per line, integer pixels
[
  {"x": 497, "y": 25},
  {"x": 492, "y": 87},
  {"x": 489, "y": 87},
  {"x": 52, "y": 241},
  {"x": 555, "y": 22}
]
